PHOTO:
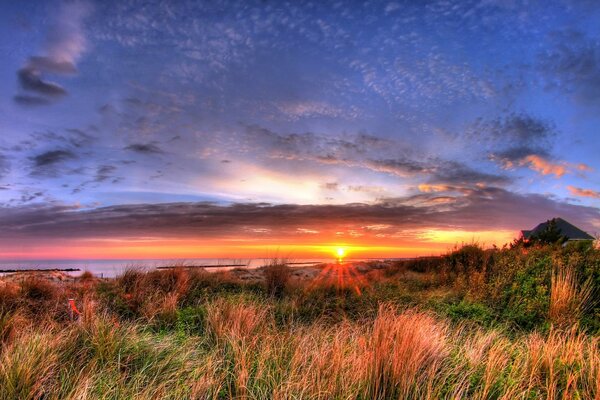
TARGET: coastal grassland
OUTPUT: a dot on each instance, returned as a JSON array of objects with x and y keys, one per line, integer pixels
[{"x": 474, "y": 324}]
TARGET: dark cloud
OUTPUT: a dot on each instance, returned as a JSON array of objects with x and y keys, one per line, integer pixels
[
  {"x": 573, "y": 65},
  {"x": 30, "y": 79},
  {"x": 72, "y": 138},
  {"x": 400, "y": 167},
  {"x": 105, "y": 173},
  {"x": 79, "y": 138},
  {"x": 456, "y": 173},
  {"x": 310, "y": 145},
  {"x": 478, "y": 209},
  {"x": 144, "y": 148},
  {"x": 52, "y": 157},
  {"x": 518, "y": 140},
  {"x": 515, "y": 130},
  {"x": 29, "y": 195},
  {"x": 51, "y": 163}
]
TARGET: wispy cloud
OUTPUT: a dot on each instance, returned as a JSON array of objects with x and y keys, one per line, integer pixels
[
  {"x": 144, "y": 148},
  {"x": 572, "y": 65},
  {"x": 584, "y": 192},
  {"x": 65, "y": 43}
]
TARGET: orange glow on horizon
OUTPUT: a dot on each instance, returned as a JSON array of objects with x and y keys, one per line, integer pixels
[{"x": 421, "y": 243}]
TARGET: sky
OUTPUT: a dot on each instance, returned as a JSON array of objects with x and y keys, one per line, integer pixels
[{"x": 147, "y": 129}]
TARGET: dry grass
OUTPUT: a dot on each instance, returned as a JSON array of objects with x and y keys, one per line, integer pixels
[
  {"x": 277, "y": 275},
  {"x": 399, "y": 355},
  {"x": 567, "y": 298}
]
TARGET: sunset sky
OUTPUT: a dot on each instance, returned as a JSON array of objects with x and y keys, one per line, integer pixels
[{"x": 145, "y": 129}]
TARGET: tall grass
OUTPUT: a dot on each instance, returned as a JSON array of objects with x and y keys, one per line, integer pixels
[
  {"x": 567, "y": 298},
  {"x": 277, "y": 275},
  {"x": 243, "y": 354},
  {"x": 187, "y": 334}
]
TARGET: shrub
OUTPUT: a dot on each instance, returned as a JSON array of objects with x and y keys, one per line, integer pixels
[
  {"x": 86, "y": 276},
  {"x": 277, "y": 274},
  {"x": 9, "y": 296},
  {"x": 465, "y": 310},
  {"x": 38, "y": 290},
  {"x": 130, "y": 279}
]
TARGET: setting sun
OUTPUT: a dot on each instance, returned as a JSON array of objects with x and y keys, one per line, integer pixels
[{"x": 341, "y": 252}]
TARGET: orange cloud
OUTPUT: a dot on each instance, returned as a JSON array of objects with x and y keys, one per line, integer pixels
[
  {"x": 428, "y": 188},
  {"x": 584, "y": 167},
  {"x": 543, "y": 166},
  {"x": 584, "y": 192},
  {"x": 546, "y": 167}
]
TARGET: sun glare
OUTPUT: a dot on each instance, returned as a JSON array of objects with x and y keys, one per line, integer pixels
[{"x": 341, "y": 252}]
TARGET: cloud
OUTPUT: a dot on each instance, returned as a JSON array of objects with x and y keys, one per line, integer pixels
[
  {"x": 584, "y": 192},
  {"x": 295, "y": 110},
  {"x": 513, "y": 156},
  {"x": 53, "y": 65},
  {"x": 400, "y": 167},
  {"x": 457, "y": 173},
  {"x": 72, "y": 137},
  {"x": 543, "y": 166},
  {"x": 66, "y": 39},
  {"x": 49, "y": 163},
  {"x": 144, "y": 148},
  {"x": 65, "y": 43},
  {"x": 526, "y": 141},
  {"x": 573, "y": 65},
  {"x": 516, "y": 129},
  {"x": 30, "y": 79},
  {"x": 52, "y": 157},
  {"x": 514, "y": 138},
  {"x": 104, "y": 173},
  {"x": 478, "y": 209},
  {"x": 537, "y": 160},
  {"x": 368, "y": 152},
  {"x": 429, "y": 188},
  {"x": 541, "y": 163}
]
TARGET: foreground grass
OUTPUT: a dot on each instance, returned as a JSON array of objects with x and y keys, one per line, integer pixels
[
  {"x": 242, "y": 353},
  {"x": 400, "y": 333}
]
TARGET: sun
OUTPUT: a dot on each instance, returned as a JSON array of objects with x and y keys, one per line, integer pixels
[{"x": 341, "y": 252}]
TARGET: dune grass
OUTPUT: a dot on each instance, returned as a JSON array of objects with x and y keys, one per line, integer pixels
[{"x": 415, "y": 331}]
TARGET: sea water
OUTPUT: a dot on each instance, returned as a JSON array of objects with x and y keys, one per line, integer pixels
[{"x": 112, "y": 268}]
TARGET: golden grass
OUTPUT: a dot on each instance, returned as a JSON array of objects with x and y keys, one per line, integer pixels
[
  {"x": 567, "y": 298},
  {"x": 399, "y": 355}
]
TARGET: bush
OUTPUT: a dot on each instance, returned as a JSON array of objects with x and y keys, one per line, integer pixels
[
  {"x": 277, "y": 275},
  {"x": 465, "y": 310}
]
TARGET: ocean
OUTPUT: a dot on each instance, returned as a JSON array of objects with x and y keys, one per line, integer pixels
[{"x": 112, "y": 268}]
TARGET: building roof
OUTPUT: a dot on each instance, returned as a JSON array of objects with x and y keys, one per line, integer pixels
[{"x": 570, "y": 231}]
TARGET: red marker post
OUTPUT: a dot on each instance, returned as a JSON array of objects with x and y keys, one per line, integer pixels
[{"x": 73, "y": 309}]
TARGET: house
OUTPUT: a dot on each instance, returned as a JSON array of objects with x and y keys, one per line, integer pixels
[{"x": 558, "y": 227}]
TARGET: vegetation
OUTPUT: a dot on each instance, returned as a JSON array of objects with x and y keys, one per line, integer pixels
[{"x": 511, "y": 323}]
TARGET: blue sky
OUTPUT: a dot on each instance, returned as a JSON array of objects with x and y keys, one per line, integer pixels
[{"x": 470, "y": 116}]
